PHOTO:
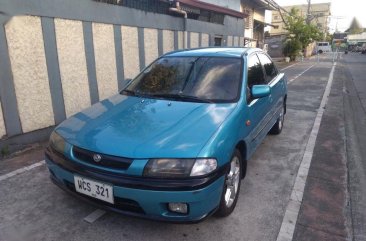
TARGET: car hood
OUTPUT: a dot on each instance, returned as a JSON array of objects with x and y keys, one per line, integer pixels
[{"x": 137, "y": 127}]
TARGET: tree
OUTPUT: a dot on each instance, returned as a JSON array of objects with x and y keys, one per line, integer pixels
[
  {"x": 355, "y": 27},
  {"x": 300, "y": 34}
]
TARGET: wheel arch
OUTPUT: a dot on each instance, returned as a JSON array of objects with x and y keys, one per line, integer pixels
[
  {"x": 242, "y": 147},
  {"x": 284, "y": 103}
]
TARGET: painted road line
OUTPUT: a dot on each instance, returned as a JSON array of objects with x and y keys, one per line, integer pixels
[
  {"x": 91, "y": 218},
  {"x": 288, "y": 66},
  {"x": 293, "y": 207},
  {"x": 21, "y": 170},
  {"x": 297, "y": 76}
]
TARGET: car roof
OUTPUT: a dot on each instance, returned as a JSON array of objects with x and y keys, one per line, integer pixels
[{"x": 213, "y": 52}]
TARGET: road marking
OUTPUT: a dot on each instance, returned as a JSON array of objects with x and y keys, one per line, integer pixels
[
  {"x": 293, "y": 207},
  {"x": 21, "y": 170},
  {"x": 297, "y": 76},
  {"x": 289, "y": 66},
  {"x": 91, "y": 218}
]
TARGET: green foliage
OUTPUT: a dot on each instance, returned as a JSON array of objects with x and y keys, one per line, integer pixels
[
  {"x": 159, "y": 78},
  {"x": 300, "y": 34},
  {"x": 355, "y": 27},
  {"x": 4, "y": 151},
  {"x": 292, "y": 48},
  {"x": 329, "y": 38}
]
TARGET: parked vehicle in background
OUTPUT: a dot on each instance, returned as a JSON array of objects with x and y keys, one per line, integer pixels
[
  {"x": 363, "y": 48},
  {"x": 174, "y": 144},
  {"x": 322, "y": 47}
]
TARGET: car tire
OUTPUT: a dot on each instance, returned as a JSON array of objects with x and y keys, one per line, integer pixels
[
  {"x": 277, "y": 127},
  {"x": 232, "y": 183},
  {"x": 320, "y": 51}
]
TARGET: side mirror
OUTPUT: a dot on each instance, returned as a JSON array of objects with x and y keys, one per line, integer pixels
[{"x": 260, "y": 91}]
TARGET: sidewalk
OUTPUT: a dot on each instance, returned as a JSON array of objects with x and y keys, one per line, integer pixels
[
  {"x": 324, "y": 213},
  {"x": 22, "y": 158}
]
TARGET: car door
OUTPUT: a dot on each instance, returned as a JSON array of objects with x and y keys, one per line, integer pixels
[
  {"x": 257, "y": 108},
  {"x": 277, "y": 84}
]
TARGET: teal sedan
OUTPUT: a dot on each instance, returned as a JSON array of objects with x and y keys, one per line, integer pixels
[{"x": 173, "y": 145}]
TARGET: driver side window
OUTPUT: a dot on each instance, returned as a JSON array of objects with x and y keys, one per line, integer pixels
[{"x": 255, "y": 75}]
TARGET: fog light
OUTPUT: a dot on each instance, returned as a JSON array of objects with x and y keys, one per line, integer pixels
[{"x": 178, "y": 207}]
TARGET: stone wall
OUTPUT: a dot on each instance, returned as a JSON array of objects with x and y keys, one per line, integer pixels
[{"x": 67, "y": 55}]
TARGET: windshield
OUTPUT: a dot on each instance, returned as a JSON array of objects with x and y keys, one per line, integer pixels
[{"x": 205, "y": 79}]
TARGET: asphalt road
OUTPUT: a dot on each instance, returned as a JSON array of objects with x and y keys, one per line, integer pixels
[{"x": 32, "y": 208}]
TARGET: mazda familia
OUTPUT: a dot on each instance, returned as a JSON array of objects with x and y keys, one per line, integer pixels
[{"x": 173, "y": 145}]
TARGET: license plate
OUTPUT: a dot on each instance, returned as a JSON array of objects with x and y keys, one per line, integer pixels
[{"x": 95, "y": 189}]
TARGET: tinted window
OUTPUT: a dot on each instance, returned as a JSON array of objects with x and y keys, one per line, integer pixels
[
  {"x": 255, "y": 75},
  {"x": 269, "y": 67},
  {"x": 255, "y": 71},
  {"x": 206, "y": 78}
]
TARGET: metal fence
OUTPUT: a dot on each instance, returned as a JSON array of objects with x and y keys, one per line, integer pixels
[{"x": 154, "y": 6}]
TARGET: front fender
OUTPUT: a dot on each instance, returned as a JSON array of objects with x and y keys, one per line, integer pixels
[{"x": 222, "y": 144}]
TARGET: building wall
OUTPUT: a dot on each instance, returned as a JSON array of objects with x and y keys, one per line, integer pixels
[
  {"x": 28, "y": 62},
  {"x": 361, "y": 37},
  {"x": 205, "y": 40},
  {"x": 67, "y": 55},
  {"x": 194, "y": 40},
  {"x": 2, "y": 125},
  {"x": 130, "y": 51},
  {"x": 259, "y": 15},
  {"x": 150, "y": 45},
  {"x": 105, "y": 59},
  {"x": 168, "y": 41},
  {"x": 322, "y": 10},
  {"x": 276, "y": 44},
  {"x": 73, "y": 69},
  {"x": 255, "y": 13}
]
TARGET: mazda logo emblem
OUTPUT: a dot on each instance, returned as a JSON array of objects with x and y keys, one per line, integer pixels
[{"x": 97, "y": 157}]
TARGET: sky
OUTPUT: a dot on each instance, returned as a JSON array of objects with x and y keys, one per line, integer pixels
[{"x": 342, "y": 11}]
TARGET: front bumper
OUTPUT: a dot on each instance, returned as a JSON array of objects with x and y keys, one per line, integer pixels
[{"x": 141, "y": 197}]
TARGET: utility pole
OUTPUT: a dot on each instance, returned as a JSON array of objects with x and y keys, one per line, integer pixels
[{"x": 308, "y": 15}]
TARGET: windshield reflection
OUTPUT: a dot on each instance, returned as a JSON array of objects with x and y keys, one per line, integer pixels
[{"x": 195, "y": 79}]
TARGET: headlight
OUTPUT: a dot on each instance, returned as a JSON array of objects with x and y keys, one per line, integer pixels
[
  {"x": 179, "y": 167},
  {"x": 57, "y": 142}
]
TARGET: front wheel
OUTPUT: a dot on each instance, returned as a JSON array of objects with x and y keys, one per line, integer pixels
[{"x": 231, "y": 189}]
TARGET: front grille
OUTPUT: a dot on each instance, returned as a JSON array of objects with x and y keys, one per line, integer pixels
[
  {"x": 123, "y": 204},
  {"x": 105, "y": 161}
]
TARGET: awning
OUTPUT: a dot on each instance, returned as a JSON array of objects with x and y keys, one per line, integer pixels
[
  {"x": 214, "y": 8},
  {"x": 266, "y": 24}
]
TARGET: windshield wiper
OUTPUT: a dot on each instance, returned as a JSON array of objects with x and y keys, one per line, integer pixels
[
  {"x": 182, "y": 97},
  {"x": 133, "y": 93},
  {"x": 129, "y": 92}
]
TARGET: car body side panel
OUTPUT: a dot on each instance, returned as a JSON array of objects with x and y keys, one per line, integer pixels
[{"x": 278, "y": 91}]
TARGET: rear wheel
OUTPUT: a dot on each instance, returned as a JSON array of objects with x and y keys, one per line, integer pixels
[
  {"x": 231, "y": 189},
  {"x": 277, "y": 127}
]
